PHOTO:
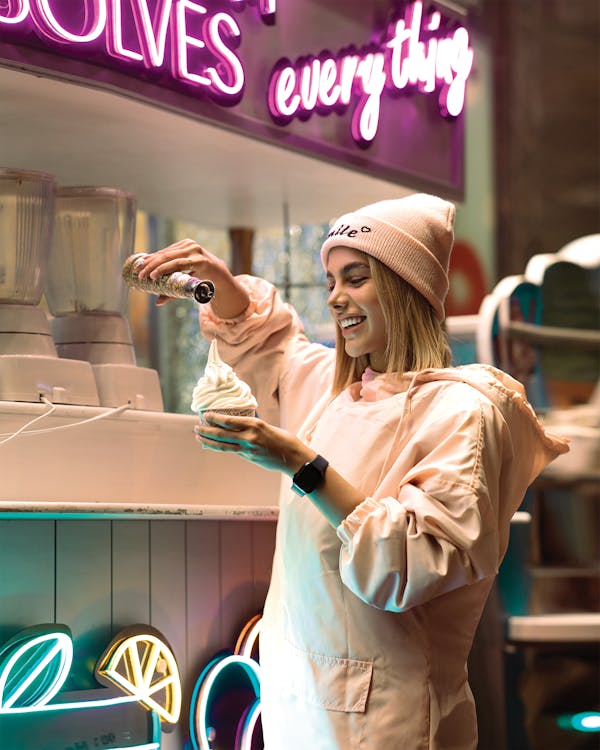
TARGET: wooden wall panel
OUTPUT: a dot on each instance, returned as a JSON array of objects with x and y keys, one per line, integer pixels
[
  {"x": 26, "y": 575},
  {"x": 130, "y": 573},
  {"x": 237, "y": 601},
  {"x": 168, "y": 603},
  {"x": 263, "y": 547},
  {"x": 167, "y": 583},
  {"x": 83, "y": 593},
  {"x": 203, "y": 593}
]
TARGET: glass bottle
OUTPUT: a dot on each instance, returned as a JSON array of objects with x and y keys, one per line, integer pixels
[{"x": 176, "y": 284}]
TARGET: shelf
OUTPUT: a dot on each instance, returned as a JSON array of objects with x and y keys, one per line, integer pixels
[
  {"x": 123, "y": 511},
  {"x": 563, "y": 571},
  {"x": 134, "y": 462},
  {"x": 572, "y": 337},
  {"x": 582, "y": 627}
]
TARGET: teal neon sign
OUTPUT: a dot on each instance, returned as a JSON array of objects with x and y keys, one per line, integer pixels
[
  {"x": 33, "y": 667},
  {"x": 584, "y": 721},
  {"x": 142, "y": 693},
  {"x": 241, "y": 663},
  {"x": 138, "y": 666}
]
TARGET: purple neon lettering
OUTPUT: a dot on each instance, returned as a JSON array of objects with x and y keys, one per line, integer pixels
[
  {"x": 348, "y": 71},
  {"x": 191, "y": 27},
  {"x": 440, "y": 62},
  {"x": 115, "y": 45},
  {"x": 444, "y": 62},
  {"x": 151, "y": 33},
  {"x": 329, "y": 89},
  {"x": 14, "y": 11},
  {"x": 309, "y": 84},
  {"x": 365, "y": 118},
  {"x": 229, "y": 62},
  {"x": 282, "y": 97},
  {"x": 265, "y": 7},
  {"x": 46, "y": 21},
  {"x": 184, "y": 39},
  {"x": 453, "y": 95},
  {"x": 416, "y": 53}
]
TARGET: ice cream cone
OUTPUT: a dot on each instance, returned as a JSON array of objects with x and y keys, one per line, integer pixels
[{"x": 221, "y": 391}]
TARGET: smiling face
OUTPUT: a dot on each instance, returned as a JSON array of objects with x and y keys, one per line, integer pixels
[{"x": 355, "y": 306}]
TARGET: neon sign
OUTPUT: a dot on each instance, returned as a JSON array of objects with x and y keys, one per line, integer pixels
[
  {"x": 585, "y": 722},
  {"x": 33, "y": 667},
  {"x": 138, "y": 662},
  {"x": 202, "y": 731},
  {"x": 199, "y": 44},
  {"x": 143, "y": 666},
  {"x": 35, "y": 664},
  {"x": 189, "y": 26},
  {"x": 412, "y": 55}
]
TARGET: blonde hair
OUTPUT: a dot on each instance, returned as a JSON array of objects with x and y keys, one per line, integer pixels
[{"x": 416, "y": 339}]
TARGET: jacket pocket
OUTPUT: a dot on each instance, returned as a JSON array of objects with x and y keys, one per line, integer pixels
[{"x": 329, "y": 682}]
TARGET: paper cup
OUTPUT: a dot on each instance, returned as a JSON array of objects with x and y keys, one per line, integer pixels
[{"x": 230, "y": 412}]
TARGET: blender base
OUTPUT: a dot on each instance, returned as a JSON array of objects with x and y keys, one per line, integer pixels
[
  {"x": 24, "y": 377},
  {"x": 118, "y": 384}
]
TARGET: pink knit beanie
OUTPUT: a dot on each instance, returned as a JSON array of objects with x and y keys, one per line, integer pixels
[{"x": 413, "y": 236}]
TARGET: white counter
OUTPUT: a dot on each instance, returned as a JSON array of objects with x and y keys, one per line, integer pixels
[{"x": 134, "y": 462}]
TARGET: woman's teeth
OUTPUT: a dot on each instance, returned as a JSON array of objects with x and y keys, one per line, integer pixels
[{"x": 351, "y": 322}]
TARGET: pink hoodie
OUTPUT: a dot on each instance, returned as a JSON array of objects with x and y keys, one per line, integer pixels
[{"x": 367, "y": 628}]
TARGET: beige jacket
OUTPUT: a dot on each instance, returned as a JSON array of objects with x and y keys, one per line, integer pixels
[{"x": 367, "y": 627}]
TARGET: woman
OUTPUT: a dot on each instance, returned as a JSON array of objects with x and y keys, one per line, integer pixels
[{"x": 405, "y": 475}]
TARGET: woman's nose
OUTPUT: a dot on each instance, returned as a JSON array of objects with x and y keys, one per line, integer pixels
[{"x": 335, "y": 299}]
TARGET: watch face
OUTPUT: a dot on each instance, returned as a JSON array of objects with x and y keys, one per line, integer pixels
[{"x": 308, "y": 478}]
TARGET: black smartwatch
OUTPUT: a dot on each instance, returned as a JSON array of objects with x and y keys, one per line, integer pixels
[{"x": 310, "y": 476}]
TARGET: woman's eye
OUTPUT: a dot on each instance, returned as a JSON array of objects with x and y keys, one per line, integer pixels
[{"x": 357, "y": 280}]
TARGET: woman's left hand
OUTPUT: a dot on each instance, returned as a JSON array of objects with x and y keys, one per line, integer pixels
[{"x": 255, "y": 440}]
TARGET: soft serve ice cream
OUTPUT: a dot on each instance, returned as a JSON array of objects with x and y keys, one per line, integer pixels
[{"x": 220, "y": 389}]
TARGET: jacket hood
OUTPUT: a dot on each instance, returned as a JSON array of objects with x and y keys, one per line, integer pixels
[{"x": 506, "y": 393}]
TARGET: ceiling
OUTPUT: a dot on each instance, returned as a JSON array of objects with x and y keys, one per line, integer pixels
[{"x": 177, "y": 166}]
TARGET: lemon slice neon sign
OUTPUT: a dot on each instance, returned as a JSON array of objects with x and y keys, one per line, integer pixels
[{"x": 142, "y": 665}]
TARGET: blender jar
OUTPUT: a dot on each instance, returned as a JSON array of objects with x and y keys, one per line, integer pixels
[{"x": 26, "y": 217}]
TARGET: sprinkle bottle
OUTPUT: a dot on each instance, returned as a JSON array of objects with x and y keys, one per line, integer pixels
[{"x": 176, "y": 284}]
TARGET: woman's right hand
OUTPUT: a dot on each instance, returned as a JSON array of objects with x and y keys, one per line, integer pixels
[{"x": 187, "y": 256}]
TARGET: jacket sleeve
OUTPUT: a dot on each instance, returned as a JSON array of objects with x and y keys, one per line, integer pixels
[
  {"x": 433, "y": 527},
  {"x": 267, "y": 348}
]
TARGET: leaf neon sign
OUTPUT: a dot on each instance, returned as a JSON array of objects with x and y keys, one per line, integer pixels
[{"x": 34, "y": 666}]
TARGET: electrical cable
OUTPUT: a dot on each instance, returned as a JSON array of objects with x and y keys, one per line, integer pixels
[
  {"x": 96, "y": 418},
  {"x": 31, "y": 421}
]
